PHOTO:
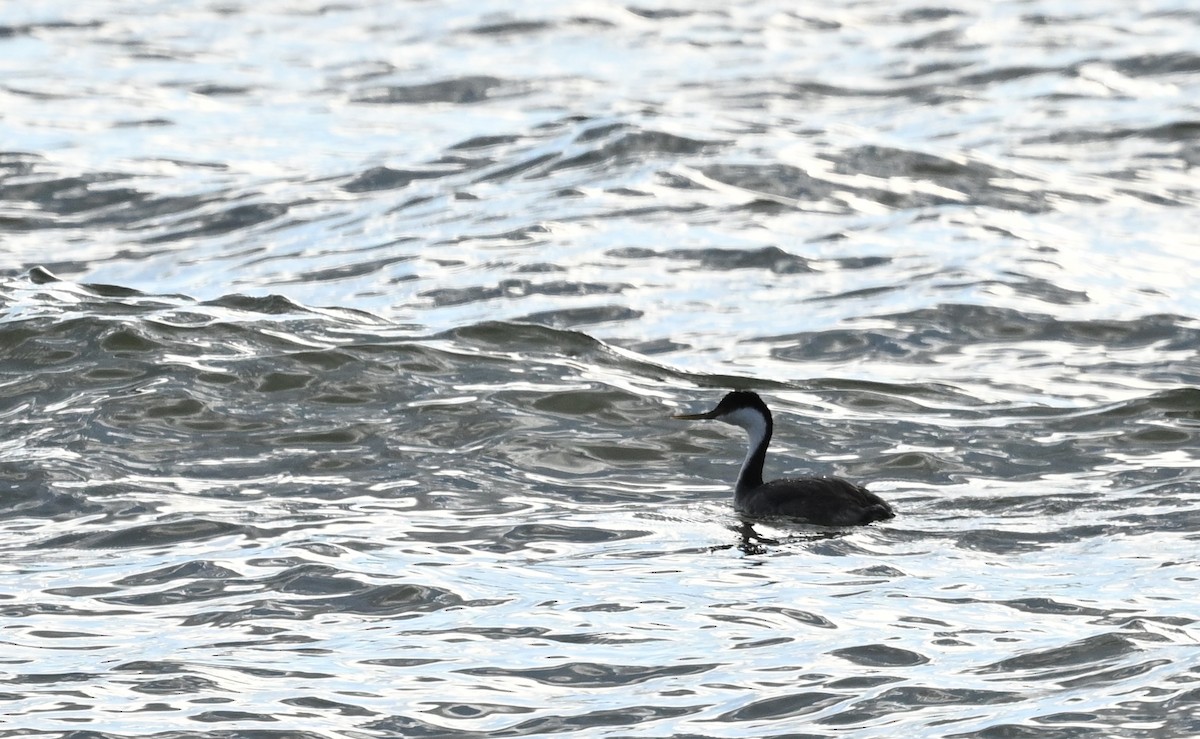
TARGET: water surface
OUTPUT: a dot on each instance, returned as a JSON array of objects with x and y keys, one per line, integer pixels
[{"x": 339, "y": 344}]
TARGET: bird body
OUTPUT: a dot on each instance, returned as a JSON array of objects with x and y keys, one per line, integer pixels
[{"x": 827, "y": 501}]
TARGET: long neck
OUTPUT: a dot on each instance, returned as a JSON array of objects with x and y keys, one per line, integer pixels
[{"x": 758, "y": 433}]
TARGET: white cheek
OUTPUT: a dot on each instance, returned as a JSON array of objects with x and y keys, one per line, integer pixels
[{"x": 751, "y": 420}]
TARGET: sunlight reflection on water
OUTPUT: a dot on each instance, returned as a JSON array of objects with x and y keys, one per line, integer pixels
[{"x": 339, "y": 345}]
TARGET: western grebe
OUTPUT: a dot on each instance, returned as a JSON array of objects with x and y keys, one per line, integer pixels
[{"x": 827, "y": 501}]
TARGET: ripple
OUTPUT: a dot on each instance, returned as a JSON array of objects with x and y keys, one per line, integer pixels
[
  {"x": 784, "y": 707},
  {"x": 457, "y": 90},
  {"x": 770, "y": 258},
  {"x": 585, "y": 674},
  {"x": 881, "y": 655},
  {"x": 152, "y": 535},
  {"x": 900, "y": 698},
  {"x": 337, "y": 361}
]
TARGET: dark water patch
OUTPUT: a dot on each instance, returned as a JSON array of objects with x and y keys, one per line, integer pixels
[
  {"x": 895, "y": 398},
  {"x": 509, "y": 170},
  {"x": 1157, "y": 64},
  {"x": 181, "y": 685},
  {"x": 1169, "y": 712},
  {"x": 879, "y": 571},
  {"x": 1109, "y": 425},
  {"x": 51, "y": 678},
  {"x": 221, "y": 219},
  {"x": 271, "y": 305},
  {"x": 914, "y": 697},
  {"x": 538, "y": 633},
  {"x": 322, "y": 704},
  {"x": 783, "y": 707},
  {"x": 805, "y": 618},
  {"x": 212, "y": 583},
  {"x": 400, "y": 600},
  {"x": 392, "y": 600},
  {"x": 592, "y": 674},
  {"x": 1003, "y": 74},
  {"x": 581, "y": 403},
  {"x": 850, "y": 344},
  {"x": 1022, "y": 731},
  {"x": 862, "y": 683},
  {"x": 400, "y": 662},
  {"x": 40, "y": 275},
  {"x": 1173, "y": 438},
  {"x": 456, "y": 91},
  {"x": 649, "y": 348},
  {"x": 972, "y": 179},
  {"x": 1042, "y": 290},
  {"x": 68, "y": 196},
  {"x": 573, "y": 318},
  {"x": 148, "y": 211},
  {"x": 517, "y": 288},
  {"x": 1037, "y": 606},
  {"x": 1017, "y": 542},
  {"x": 520, "y": 536},
  {"x": 1171, "y": 519},
  {"x": 880, "y": 655},
  {"x": 866, "y": 292},
  {"x": 770, "y": 258},
  {"x": 407, "y": 726},
  {"x": 627, "y": 716},
  {"x": 523, "y": 337},
  {"x": 534, "y": 233},
  {"x": 1115, "y": 675},
  {"x": 956, "y": 324},
  {"x": 454, "y": 710},
  {"x": 1050, "y": 606},
  {"x": 929, "y": 336},
  {"x": 18, "y": 164},
  {"x": 240, "y": 733},
  {"x": 660, "y": 14},
  {"x": 33, "y": 609},
  {"x": 765, "y": 643},
  {"x": 511, "y": 27},
  {"x": 324, "y": 360},
  {"x": 196, "y": 592},
  {"x": 27, "y": 492},
  {"x": 1175, "y": 131},
  {"x": 772, "y": 181},
  {"x": 1181, "y": 402},
  {"x": 143, "y": 123},
  {"x": 485, "y": 142},
  {"x": 334, "y": 436},
  {"x": 211, "y": 89},
  {"x": 27, "y": 29},
  {"x": 951, "y": 39},
  {"x": 152, "y": 535},
  {"x": 228, "y": 715},
  {"x": 311, "y": 579},
  {"x": 1086, "y": 656},
  {"x": 275, "y": 382},
  {"x": 167, "y": 409},
  {"x": 195, "y": 569},
  {"x": 617, "y": 145},
  {"x": 387, "y": 178},
  {"x": 923, "y": 466},
  {"x": 591, "y": 22}
]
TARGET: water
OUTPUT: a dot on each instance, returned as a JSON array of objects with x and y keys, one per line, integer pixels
[{"x": 339, "y": 344}]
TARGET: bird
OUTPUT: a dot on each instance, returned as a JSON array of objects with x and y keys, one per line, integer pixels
[{"x": 824, "y": 501}]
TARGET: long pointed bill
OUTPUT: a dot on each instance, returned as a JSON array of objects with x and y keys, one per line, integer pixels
[{"x": 696, "y": 416}]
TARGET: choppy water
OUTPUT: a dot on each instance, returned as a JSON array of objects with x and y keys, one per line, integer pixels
[{"x": 338, "y": 345}]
